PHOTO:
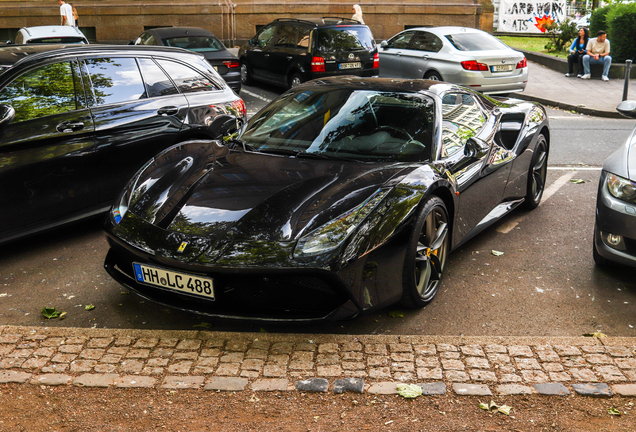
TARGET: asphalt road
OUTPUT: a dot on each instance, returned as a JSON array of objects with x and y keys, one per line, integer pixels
[{"x": 545, "y": 283}]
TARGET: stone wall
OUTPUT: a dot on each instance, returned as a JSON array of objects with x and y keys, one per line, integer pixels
[{"x": 234, "y": 21}]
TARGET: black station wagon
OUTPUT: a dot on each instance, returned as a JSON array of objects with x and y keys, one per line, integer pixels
[
  {"x": 76, "y": 122},
  {"x": 290, "y": 51}
]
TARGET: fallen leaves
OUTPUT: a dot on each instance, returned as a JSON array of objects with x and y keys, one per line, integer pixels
[
  {"x": 503, "y": 409},
  {"x": 409, "y": 391},
  {"x": 50, "y": 313},
  {"x": 596, "y": 335}
]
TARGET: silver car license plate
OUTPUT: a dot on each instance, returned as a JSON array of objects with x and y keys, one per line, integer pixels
[
  {"x": 352, "y": 65},
  {"x": 182, "y": 282},
  {"x": 501, "y": 68}
]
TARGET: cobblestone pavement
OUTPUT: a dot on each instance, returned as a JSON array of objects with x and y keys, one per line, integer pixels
[{"x": 282, "y": 362}]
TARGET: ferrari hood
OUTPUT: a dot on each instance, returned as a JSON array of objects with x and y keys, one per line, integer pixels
[{"x": 253, "y": 196}]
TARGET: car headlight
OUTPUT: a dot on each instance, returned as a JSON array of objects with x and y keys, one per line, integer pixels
[
  {"x": 621, "y": 188},
  {"x": 123, "y": 202},
  {"x": 333, "y": 233}
]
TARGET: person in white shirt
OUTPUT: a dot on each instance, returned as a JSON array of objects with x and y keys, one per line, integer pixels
[
  {"x": 66, "y": 12},
  {"x": 598, "y": 52}
]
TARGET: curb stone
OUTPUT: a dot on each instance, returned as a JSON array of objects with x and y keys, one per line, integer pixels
[{"x": 224, "y": 361}]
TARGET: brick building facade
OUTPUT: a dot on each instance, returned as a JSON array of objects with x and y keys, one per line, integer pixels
[{"x": 235, "y": 21}]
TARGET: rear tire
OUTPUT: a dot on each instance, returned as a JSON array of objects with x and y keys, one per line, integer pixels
[
  {"x": 537, "y": 174},
  {"x": 295, "y": 80},
  {"x": 426, "y": 254},
  {"x": 434, "y": 76},
  {"x": 246, "y": 75}
]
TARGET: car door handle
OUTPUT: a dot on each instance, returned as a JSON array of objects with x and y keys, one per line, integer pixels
[
  {"x": 69, "y": 126},
  {"x": 289, "y": 57},
  {"x": 168, "y": 110}
]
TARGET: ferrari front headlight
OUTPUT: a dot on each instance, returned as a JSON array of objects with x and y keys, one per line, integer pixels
[
  {"x": 334, "y": 233},
  {"x": 621, "y": 188}
]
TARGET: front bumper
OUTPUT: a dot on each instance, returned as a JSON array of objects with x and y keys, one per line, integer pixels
[
  {"x": 260, "y": 294},
  {"x": 619, "y": 218}
]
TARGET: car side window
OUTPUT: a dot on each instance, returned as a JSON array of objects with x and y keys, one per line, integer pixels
[
  {"x": 264, "y": 38},
  {"x": 44, "y": 91},
  {"x": 115, "y": 80},
  {"x": 286, "y": 36},
  {"x": 401, "y": 41},
  {"x": 303, "y": 37},
  {"x": 187, "y": 79},
  {"x": 425, "y": 41},
  {"x": 462, "y": 119},
  {"x": 157, "y": 82}
]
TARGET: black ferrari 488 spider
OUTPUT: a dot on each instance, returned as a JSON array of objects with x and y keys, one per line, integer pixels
[{"x": 343, "y": 195}]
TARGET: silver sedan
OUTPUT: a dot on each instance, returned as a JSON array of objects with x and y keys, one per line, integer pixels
[{"x": 458, "y": 55}]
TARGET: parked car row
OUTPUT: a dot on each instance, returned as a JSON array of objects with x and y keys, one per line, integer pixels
[{"x": 344, "y": 195}]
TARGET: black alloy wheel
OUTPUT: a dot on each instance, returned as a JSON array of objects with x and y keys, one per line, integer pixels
[
  {"x": 295, "y": 80},
  {"x": 537, "y": 174},
  {"x": 426, "y": 255}
]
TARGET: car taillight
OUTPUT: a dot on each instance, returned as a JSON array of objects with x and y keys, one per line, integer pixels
[
  {"x": 472, "y": 65},
  {"x": 232, "y": 64},
  {"x": 239, "y": 106},
  {"x": 376, "y": 61},
  {"x": 317, "y": 64},
  {"x": 523, "y": 63}
]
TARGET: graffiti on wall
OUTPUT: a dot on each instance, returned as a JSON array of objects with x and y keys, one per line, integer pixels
[{"x": 529, "y": 16}]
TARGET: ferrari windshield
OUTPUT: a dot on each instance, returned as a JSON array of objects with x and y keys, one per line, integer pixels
[{"x": 345, "y": 123}]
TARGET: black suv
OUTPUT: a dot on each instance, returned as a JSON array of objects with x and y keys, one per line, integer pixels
[
  {"x": 291, "y": 51},
  {"x": 77, "y": 121}
]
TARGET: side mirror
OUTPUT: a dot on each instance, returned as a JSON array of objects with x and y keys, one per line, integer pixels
[
  {"x": 472, "y": 149},
  {"x": 7, "y": 113},
  {"x": 384, "y": 44},
  {"x": 627, "y": 108}
]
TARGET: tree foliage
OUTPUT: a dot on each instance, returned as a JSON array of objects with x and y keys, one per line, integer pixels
[{"x": 561, "y": 34}]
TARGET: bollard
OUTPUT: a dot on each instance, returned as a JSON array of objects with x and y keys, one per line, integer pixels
[{"x": 628, "y": 66}]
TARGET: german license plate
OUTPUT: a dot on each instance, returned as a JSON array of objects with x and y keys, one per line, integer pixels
[
  {"x": 353, "y": 65},
  {"x": 182, "y": 282},
  {"x": 501, "y": 68}
]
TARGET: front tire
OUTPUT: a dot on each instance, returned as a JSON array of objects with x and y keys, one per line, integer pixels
[
  {"x": 537, "y": 174},
  {"x": 426, "y": 255}
]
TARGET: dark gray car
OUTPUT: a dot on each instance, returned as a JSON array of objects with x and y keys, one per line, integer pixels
[
  {"x": 615, "y": 227},
  {"x": 200, "y": 41}
]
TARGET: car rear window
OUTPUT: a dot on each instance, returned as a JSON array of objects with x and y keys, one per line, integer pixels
[
  {"x": 195, "y": 43},
  {"x": 475, "y": 42},
  {"x": 58, "y": 40},
  {"x": 345, "y": 38}
]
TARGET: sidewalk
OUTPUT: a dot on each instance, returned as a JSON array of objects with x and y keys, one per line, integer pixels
[
  {"x": 216, "y": 361},
  {"x": 591, "y": 97}
]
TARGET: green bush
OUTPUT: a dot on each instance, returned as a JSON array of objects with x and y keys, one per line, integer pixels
[
  {"x": 621, "y": 30},
  {"x": 598, "y": 20},
  {"x": 561, "y": 34}
]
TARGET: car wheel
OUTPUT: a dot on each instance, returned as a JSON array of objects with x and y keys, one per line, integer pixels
[
  {"x": 433, "y": 76},
  {"x": 246, "y": 76},
  {"x": 537, "y": 174},
  {"x": 295, "y": 80},
  {"x": 426, "y": 255}
]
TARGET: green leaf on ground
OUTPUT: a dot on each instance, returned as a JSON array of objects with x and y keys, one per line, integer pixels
[
  {"x": 577, "y": 181},
  {"x": 504, "y": 409},
  {"x": 496, "y": 252},
  {"x": 409, "y": 391},
  {"x": 396, "y": 314},
  {"x": 613, "y": 411},
  {"x": 89, "y": 307},
  {"x": 596, "y": 335},
  {"x": 202, "y": 325},
  {"x": 50, "y": 313}
]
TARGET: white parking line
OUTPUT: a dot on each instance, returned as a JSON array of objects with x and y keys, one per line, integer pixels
[
  {"x": 511, "y": 224},
  {"x": 254, "y": 95}
]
